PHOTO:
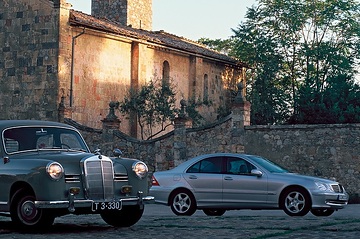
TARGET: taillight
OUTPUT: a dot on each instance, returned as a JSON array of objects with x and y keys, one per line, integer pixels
[{"x": 154, "y": 182}]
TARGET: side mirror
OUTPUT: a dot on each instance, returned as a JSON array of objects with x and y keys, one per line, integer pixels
[{"x": 256, "y": 172}]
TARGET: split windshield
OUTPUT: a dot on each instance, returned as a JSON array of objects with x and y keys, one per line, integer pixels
[{"x": 21, "y": 139}]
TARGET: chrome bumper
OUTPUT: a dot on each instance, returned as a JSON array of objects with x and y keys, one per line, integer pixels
[{"x": 73, "y": 203}]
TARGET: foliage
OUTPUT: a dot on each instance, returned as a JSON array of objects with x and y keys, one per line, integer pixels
[
  {"x": 154, "y": 106},
  {"x": 303, "y": 55},
  {"x": 338, "y": 103},
  {"x": 220, "y": 45},
  {"x": 192, "y": 112}
]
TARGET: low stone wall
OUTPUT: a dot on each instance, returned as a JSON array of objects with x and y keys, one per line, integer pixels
[
  {"x": 169, "y": 150},
  {"x": 330, "y": 151}
]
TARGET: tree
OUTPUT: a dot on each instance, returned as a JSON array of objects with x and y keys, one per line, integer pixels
[
  {"x": 154, "y": 106},
  {"x": 220, "y": 45},
  {"x": 299, "y": 51},
  {"x": 338, "y": 103},
  {"x": 266, "y": 91}
]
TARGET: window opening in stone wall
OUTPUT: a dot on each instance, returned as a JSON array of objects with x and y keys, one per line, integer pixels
[{"x": 166, "y": 71}]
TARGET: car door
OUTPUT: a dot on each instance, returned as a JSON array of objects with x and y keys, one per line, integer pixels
[
  {"x": 205, "y": 178},
  {"x": 240, "y": 187}
]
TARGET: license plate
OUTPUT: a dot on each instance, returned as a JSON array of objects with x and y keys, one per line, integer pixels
[{"x": 101, "y": 206}]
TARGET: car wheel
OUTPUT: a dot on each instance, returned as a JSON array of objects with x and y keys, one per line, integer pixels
[
  {"x": 183, "y": 203},
  {"x": 24, "y": 213},
  {"x": 126, "y": 217},
  {"x": 214, "y": 212},
  {"x": 322, "y": 212},
  {"x": 295, "y": 202}
]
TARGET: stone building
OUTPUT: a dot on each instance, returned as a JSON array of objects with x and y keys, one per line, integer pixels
[{"x": 55, "y": 59}]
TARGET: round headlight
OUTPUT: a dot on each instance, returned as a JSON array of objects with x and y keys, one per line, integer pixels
[
  {"x": 140, "y": 169},
  {"x": 55, "y": 170}
]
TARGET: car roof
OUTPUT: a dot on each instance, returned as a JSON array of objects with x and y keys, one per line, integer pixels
[
  {"x": 190, "y": 161},
  {"x": 15, "y": 123},
  {"x": 220, "y": 154}
]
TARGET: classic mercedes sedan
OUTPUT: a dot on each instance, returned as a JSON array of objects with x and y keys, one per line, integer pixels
[
  {"x": 47, "y": 171},
  {"x": 218, "y": 182}
]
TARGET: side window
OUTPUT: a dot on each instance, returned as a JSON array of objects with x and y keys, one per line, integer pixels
[
  {"x": 195, "y": 168},
  {"x": 11, "y": 145},
  {"x": 209, "y": 165},
  {"x": 238, "y": 166}
]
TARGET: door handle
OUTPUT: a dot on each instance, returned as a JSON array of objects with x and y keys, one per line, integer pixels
[
  {"x": 192, "y": 177},
  {"x": 228, "y": 178}
]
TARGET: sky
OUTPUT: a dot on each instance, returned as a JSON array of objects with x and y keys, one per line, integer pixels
[{"x": 212, "y": 19}]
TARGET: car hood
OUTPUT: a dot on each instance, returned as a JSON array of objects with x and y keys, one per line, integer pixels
[
  {"x": 70, "y": 160},
  {"x": 297, "y": 177}
]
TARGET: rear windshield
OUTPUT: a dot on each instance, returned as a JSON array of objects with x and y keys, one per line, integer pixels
[{"x": 40, "y": 138}]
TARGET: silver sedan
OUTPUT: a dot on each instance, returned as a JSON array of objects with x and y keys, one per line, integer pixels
[{"x": 218, "y": 182}]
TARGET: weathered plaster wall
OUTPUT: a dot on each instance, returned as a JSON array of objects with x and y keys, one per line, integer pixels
[{"x": 100, "y": 76}]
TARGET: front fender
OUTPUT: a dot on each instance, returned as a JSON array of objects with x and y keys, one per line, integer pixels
[{"x": 138, "y": 185}]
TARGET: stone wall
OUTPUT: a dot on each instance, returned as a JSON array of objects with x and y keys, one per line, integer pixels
[
  {"x": 319, "y": 150},
  {"x": 28, "y": 59},
  {"x": 169, "y": 150},
  {"x": 135, "y": 13}
]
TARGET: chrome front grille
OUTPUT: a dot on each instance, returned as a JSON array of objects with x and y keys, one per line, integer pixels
[
  {"x": 99, "y": 178},
  {"x": 72, "y": 178},
  {"x": 337, "y": 188},
  {"x": 121, "y": 177}
]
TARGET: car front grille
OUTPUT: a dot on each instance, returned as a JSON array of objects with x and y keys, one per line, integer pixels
[
  {"x": 337, "y": 188},
  {"x": 99, "y": 178},
  {"x": 72, "y": 178},
  {"x": 121, "y": 177}
]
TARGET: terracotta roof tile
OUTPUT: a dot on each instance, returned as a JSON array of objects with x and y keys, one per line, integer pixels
[{"x": 160, "y": 38}]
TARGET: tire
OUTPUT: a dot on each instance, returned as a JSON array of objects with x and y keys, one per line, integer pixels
[
  {"x": 183, "y": 203},
  {"x": 214, "y": 212},
  {"x": 126, "y": 217},
  {"x": 295, "y": 202},
  {"x": 322, "y": 212},
  {"x": 25, "y": 215}
]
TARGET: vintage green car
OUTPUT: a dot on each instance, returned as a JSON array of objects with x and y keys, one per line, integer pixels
[{"x": 48, "y": 171}]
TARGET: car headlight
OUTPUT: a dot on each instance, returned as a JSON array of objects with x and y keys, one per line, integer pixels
[
  {"x": 324, "y": 187},
  {"x": 140, "y": 169},
  {"x": 55, "y": 170}
]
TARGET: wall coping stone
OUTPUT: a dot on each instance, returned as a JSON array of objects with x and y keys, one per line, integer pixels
[{"x": 300, "y": 126}]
